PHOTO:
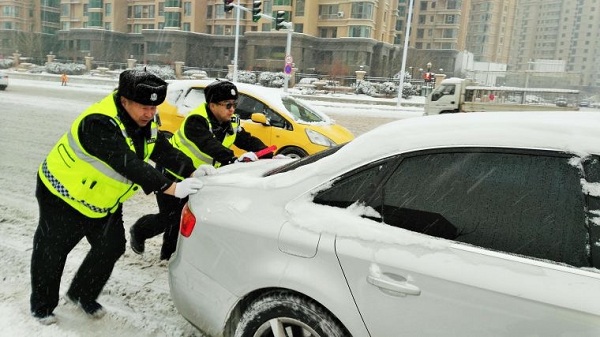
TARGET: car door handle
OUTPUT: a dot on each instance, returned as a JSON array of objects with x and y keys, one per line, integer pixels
[{"x": 401, "y": 286}]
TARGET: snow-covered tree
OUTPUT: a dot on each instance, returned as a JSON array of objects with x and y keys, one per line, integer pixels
[
  {"x": 246, "y": 76},
  {"x": 164, "y": 72},
  {"x": 365, "y": 87},
  {"x": 6, "y": 63},
  {"x": 65, "y": 68},
  {"x": 271, "y": 79}
]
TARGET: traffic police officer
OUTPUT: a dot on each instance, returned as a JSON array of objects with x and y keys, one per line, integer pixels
[{"x": 81, "y": 186}]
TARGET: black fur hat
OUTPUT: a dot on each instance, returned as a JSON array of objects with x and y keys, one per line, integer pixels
[
  {"x": 142, "y": 87},
  {"x": 219, "y": 91}
]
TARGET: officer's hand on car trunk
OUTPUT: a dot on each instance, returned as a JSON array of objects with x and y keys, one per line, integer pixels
[
  {"x": 187, "y": 186},
  {"x": 248, "y": 156},
  {"x": 204, "y": 170}
]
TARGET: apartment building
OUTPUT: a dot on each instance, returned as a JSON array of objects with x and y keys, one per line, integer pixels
[
  {"x": 28, "y": 26},
  {"x": 547, "y": 31},
  {"x": 489, "y": 29},
  {"x": 332, "y": 36},
  {"x": 437, "y": 33}
]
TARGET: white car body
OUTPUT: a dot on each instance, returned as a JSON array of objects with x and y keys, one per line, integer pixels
[{"x": 256, "y": 233}]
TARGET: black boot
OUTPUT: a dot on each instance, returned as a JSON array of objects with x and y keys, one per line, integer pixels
[{"x": 137, "y": 244}]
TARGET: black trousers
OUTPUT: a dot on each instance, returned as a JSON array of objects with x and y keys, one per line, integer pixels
[
  {"x": 166, "y": 221},
  {"x": 59, "y": 230}
]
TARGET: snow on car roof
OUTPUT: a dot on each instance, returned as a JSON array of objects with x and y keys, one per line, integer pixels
[
  {"x": 569, "y": 131},
  {"x": 265, "y": 94},
  {"x": 575, "y": 132}
]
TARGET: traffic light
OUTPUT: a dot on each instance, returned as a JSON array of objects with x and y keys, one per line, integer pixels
[
  {"x": 228, "y": 6},
  {"x": 256, "y": 10},
  {"x": 279, "y": 20}
]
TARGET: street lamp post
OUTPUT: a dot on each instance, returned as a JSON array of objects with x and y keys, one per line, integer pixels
[{"x": 404, "y": 51}]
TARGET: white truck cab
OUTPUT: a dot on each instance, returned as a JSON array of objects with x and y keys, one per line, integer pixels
[
  {"x": 464, "y": 95},
  {"x": 447, "y": 97}
]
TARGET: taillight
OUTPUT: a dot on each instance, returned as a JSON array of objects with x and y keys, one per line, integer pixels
[{"x": 188, "y": 221}]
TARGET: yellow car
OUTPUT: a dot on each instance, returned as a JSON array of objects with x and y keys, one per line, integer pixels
[{"x": 267, "y": 113}]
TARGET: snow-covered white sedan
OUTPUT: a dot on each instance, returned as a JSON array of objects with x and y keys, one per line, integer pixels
[{"x": 481, "y": 224}]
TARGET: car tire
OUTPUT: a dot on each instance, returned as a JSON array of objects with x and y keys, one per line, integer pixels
[
  {"x": 293, "y": 152},
  {"x": 292, "y": 313}
]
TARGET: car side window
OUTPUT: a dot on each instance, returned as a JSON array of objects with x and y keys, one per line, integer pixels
[
  {"x": 194, "y": 98},
  {"x": 355, "y": 186},
  {"x": 276, "y": 120},
  {"x": 530, "y": 204},
  {"x": 247, "y": 106}
]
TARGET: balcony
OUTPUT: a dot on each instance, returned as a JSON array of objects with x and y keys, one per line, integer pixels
[
  {"x": 95, "y": 4},
  {"x": 172, "y": 4}
]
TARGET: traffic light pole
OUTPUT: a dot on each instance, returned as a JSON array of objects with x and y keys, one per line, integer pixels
[
  {"x": 288, "y": 47},
  {"x": 288, "y": 51},
  {"x": 237, "y": 41},
  {"x": 287, "y": 25}
]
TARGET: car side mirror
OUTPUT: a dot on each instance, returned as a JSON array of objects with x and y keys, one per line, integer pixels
[{"x": 258, "y": 117}]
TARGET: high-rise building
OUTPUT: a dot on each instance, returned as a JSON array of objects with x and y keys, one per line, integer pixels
[
  {"x": 556, "y": 37},
  {"x": 489, "y": 29},
  {"x": 334, "y": 36},
  {"x": 330, "y": 37},
  {"x": 28, "y": 26}
]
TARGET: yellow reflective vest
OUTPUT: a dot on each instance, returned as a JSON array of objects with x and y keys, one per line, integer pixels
[
  {"x": 185, "y": 145},
  {"x": 83, "y": 181}
]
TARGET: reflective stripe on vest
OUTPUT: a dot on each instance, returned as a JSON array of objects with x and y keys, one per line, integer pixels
[
  {"x": 182, "y": 142},
  {"x": 83, "y": 181}
]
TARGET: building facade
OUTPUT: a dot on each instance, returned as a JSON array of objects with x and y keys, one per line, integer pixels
[
  {"x": 489, "y": 29},
  {"x": 546, "y": 31},
  {"x": 28, "y": 27},
  {"x": 329, "y": 37}
]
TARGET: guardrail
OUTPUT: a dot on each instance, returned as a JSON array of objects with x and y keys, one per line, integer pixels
[{"x": 72, "y": 78}]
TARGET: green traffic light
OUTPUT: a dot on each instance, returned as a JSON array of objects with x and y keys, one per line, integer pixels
[
  {"x": 279, "y": 20},
  {"x": 256, "y": 10}
]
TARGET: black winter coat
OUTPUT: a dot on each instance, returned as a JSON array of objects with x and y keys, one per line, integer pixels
[{"x": 102, "y": 138}]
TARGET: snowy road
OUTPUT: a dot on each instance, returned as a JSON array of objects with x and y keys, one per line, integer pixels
[{"x": 34, "y": 115}]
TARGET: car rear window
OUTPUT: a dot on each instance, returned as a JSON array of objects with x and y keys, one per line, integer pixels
[
  {"x": 194, "y": 98},
  {"x": 305, "y": 161}
]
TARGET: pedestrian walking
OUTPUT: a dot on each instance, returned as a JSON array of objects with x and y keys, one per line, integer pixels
[
  {"x": 206, "y": 136},
  {"x": 63, "y": 79},
  {"x": 81, "y": 186}
]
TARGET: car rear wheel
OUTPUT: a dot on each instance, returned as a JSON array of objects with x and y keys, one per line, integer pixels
[
  {"x": 294, "y": 152},
  {"x": 282, "y": 314}
]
